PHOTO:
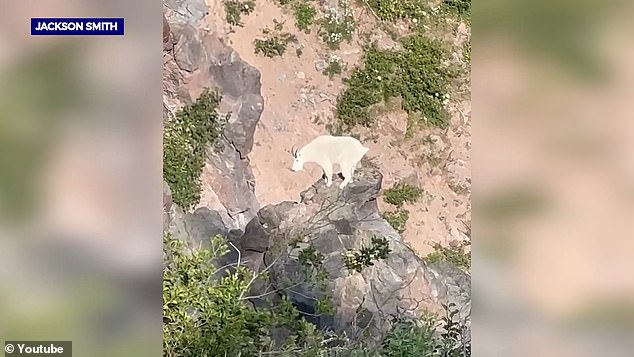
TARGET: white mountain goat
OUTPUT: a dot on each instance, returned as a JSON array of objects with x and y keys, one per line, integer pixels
[{"x": 327, "y": 150}]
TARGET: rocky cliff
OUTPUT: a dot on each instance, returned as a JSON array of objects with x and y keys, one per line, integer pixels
[
  {"x": 196, "y": 58},
  {"x": 328, "y": 221}
]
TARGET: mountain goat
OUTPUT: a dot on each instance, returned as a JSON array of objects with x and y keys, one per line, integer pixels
[{"x": 327, "y": 150}]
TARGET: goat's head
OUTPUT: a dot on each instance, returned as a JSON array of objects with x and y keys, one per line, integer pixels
[{"x": 298, "y": 161}]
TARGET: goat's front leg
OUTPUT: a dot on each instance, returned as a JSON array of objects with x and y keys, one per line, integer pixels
[
  {"x": 327, "y": 174},
  {"x": 347, "y": 173}
]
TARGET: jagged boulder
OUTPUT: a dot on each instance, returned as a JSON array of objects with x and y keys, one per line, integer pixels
[
  {"x": 188, "y": 50},
  {"x": 333, "y": 221},
  {"x": 241, "y": 88},
  {"x": 189, "y": 12},
  {"x": 167, "y": 38}
]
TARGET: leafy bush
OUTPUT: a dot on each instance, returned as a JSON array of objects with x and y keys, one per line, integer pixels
[
  {"x": 234, "y": 9},
  {"x": 186, "y": 139},
  {"x": 416, "y": 75},
  {"x": 275, "y": 43},
  {"x": 461, "y": 7},
  {"x": 455, "y": 340},
  {"x": 397, "y": 219},
  {"x": 402, "y": 193},
  {"x": 453, "y": 254},
  {"x": 366, "y": 255},
  {"x": 304, "y": 16},
  {"x": 206, "y": 314},
  {"x": 334, "y": 67},
  {"x": 391, "y": 10},
  {"x": 205, "y": 318},
  {"x": 409, "y": 337}
]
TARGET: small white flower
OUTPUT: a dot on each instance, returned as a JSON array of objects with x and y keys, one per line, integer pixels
[
  {"x": 414, "y": 20},
  {"x": 379, "y": 78}
]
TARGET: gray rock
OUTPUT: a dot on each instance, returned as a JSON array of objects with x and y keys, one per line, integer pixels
[
  {"x": 167, "y": 38},
  {"x": 197, "y": 228},
  {"x": 204, "y": 224},
  {"x": 333, "y": 221},
  {"x": 189, "y": 12},
  {"x": 233, "y": 182},
  {"x": 320, "y": 65},
  {"x": 188, "y": 51},
  {"x": 240, "y": 84}
]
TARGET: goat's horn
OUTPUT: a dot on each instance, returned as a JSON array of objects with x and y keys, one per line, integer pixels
[{"x": 293, "y": 151}]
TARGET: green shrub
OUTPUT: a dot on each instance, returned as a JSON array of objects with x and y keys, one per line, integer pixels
[
  {"x": 391, "y": 10},
  {"x": 460, "y": 7},
  {"x": 202, "y": 317},
  {"x": 304, "y": 16},
  {"x": 402, "y": 193},
  {"x": 397, "y": 219},
  {"x": 234, "y": 9},
  {"x": 409, "y": 337},
  {"x": 206, "y": 314},
  {"x": 186, "y": 139},
  {"x": 456, "y": 255},
  {"x": 366, "y": 256},
  {"x": 416, "y": 75},
  {"x": 334, "y": 67},
  {"x": 275, "y": 42}
]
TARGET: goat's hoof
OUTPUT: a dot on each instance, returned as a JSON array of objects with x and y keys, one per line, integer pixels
[{"x": 328, "y": 184}]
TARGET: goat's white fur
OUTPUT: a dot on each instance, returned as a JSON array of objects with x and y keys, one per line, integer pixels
[{"x": 327, "y": 150}]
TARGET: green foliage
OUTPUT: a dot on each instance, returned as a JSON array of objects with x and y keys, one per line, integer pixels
[
  {"x": 460, "y": 7},
  {"x": 409, "y": 337},
  {"x": 337, "y": 25},
  {"x": 364, "y": 257},
  {"x": 275, "y": 43},
  {"x": 186, "y": 139},
  {"x": 397, "y": 219},
  {"x": 202, "y": 317},
  {"x": 417, "y": 337},
  {"x": 304, "y": 16},
  {"x": 204, "y": 314},
  {"x": 334, "y": 67},
  {"x": 391, "y": 10},
  {"x": 453, "y": 341},
  {"x": 416, "y": 75},
  {"x": 309, "y": 256},
  {"x": 453, "y": 254},
  {"x": 234, "y": 9},
  {"x": 398, "y": 195},
  {"x": 402, "y": 193}
]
